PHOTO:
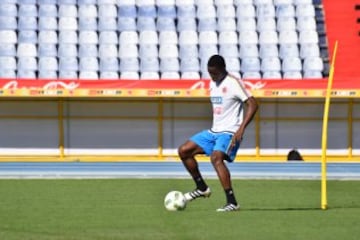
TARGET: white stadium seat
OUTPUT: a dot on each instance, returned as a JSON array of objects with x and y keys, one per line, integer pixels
[{"x": 109, "y": 64}]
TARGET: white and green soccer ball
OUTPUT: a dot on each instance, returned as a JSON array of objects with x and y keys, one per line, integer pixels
[{"x": 175, "y": 201}]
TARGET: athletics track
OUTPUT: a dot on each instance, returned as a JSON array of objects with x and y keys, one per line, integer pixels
[{"x": 284, "y": 170}]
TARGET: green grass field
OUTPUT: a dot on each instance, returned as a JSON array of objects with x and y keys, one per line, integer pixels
[{"x": 133, "y": 209}]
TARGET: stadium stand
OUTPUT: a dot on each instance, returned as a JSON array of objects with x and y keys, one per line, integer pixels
[{"x": 145, "y": 39}]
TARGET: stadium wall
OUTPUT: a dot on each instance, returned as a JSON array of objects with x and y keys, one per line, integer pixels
[{"x": 152, "y": 129}]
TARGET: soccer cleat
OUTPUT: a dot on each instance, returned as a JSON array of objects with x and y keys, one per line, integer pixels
[
  {"x": 230, "y": 207},
  {"x": 189, "y": 196}
]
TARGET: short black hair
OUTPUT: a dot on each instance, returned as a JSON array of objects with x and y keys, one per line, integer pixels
[{"x": 216, "y": 61}]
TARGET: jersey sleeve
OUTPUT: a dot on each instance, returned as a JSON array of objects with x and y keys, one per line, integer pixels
[{"x": 240, "y": 91}]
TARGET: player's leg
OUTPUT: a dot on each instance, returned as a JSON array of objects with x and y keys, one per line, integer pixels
[
  {"x": 220, "y": 154},
  {"x": 187, "y": 152}
]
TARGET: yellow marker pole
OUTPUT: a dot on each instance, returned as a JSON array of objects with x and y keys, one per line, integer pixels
[{"x": 324, "y": 132}]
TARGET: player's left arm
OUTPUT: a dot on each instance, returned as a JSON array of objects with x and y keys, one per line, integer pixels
[{"x": 250, "y": 111}]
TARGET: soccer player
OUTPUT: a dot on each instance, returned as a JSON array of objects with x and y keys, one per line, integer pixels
[{"x": 230, "y": 118}]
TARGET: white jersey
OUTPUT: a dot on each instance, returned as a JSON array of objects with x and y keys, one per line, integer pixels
[{"x": 227, "y": 100}]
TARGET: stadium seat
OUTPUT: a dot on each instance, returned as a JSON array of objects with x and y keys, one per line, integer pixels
[
  {"x": 8, "y": 23},
  {"x": 168, "y": 37},
  {"x": 8, "y": 63},
  {"x": 165, "y": 24},
  {"x": 270, "y": 64},
  {"x": 128, "y": 50},
  {"x": 129, "y": 75},
  {"x": 129, "y": 65},
  {"x": 48, "y": 64},
  {"x": 148, "y": 37},
  {"x": 127, "y": 37},
  {"x": 26, "y": 50},
  {"x": 249, "y": 51},
  {"x": 169, "y": 65},
  {"x": 48, "y": 23},
  {"x": 188, "y": 51},
  {"x": 268, "y": 37},
  {"x": 313, "y": 74},
  {"x": 8, "y": 10},
  {"x": 309, "y": 50},
  {"x": 265, "y": 10},
  {"x": 7, "y": 50},
  {"x": 313, "y": 64},
  {"x": 232, "y": 64},
  {"x": 88, "y": 37},
  {"x": 226, "y": 24},
  {"x": 268, "y": 50},
  {"x": 225, "y": 11},
  {"x": 109, "y": 64},
  {"x": 166, "y": 11},
  {"x": 207, "y": 24},
  {"x": 67, "y": 10},
  {"x": 306, "y": 23},
  {"x": 48, "y": 37},
  {"x": 26, "y": 36},
  {"x": 47, "y": 50},
  {"x": 291, "y": 64},
  {"x": 68, "y": 37},
  {"x": 27, "y": 23},
  {"x": 190, "y": 75},
  {"x": 27, "y": 63},
  {"x": 126, "y": 24},
  {"x": 87, "y": 10},
  {"x": 292, "y": 75},
  {"x": 7, "y": 73},
  {"x": 168, "y": 51},
  {"x": 149, "y": 65},
  {"x": 88, "y": 24},
  {"x": 288, "y": 37},
  {"x": 48, "y": 10},
  {"x": 107, "y": 24},
  {"x": 26, "y": 74},
  {"x": 188, "y": 37},
  {"x": 308, "y": 36},
  {"x": 186, "y": 24},
  {"x": 245, "y": 10},
  {"x": 88, "y": 75},
  {"x": 228, "y": 37},
  {"x": 68, "y": 75},
  {"x": 248, "y": 37},
  {"x": 68, "y": 64},
  {"x": 206, "y": 11},
  {"x": 146, "y": 24},
  {"x": 127, "y": 11},
  {"x": 271, "y": 75},
  {"x": 108, "y": 51},
  {"x": 208, "y": 37},
  {"x": 27, "y": 10},
  {"x": 148, "y": 51},
  {"x": 149, "y": 75},
  {"x": 207, "y": 50},
  {"x": 251, "y": 75},
  {"x": 170, "y": 75},
  {"x": 246, "y": 24},
  {"x": 108, "y": 37},
  {"x": 186, "y": 11},
  {"x": 305, "y": 10},
  {"x": 286, "y": 23},
  {"x": 67, "y": 50},
  {"x": 266, "y": 24},
  {"x": 285, "y": 10},
  {"x": 288, "y": 50},
  {"x": 229, "y": 50},
  {"x": 109, "y": 75},
  {"x": 107, "y": 11},
  {"x": 68, "y": 23},
  {"x": 189, "y": 65},
  {"x": 250, "y": 64}
]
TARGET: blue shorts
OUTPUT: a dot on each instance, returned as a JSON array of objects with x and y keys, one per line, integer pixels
[{"x": 210, "y": 141}]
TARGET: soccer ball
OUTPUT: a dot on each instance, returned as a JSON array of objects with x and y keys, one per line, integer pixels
[{"x": 175, "y": 201}]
